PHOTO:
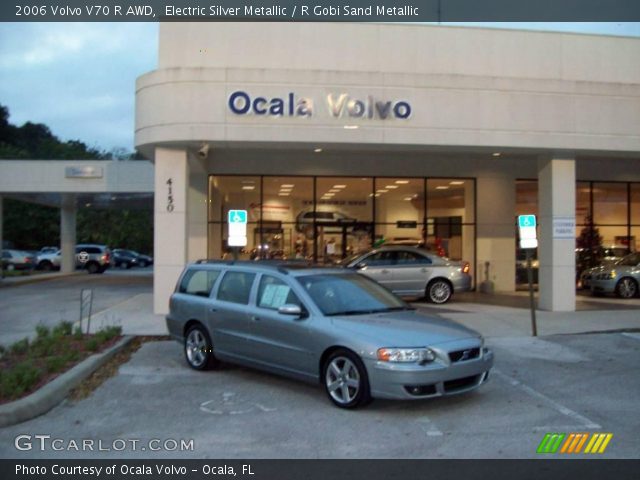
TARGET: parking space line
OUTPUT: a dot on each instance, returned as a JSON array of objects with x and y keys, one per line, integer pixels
[
  {"x": 429, "y": 427},
  {"x": 584, "y": 421}
]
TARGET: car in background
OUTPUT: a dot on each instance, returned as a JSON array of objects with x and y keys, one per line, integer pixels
[
  {"x": 17, "y": 260},
  {"x": 143, "y": 260},
  {"x": 321, "y": 325},
  {"x": 44, "y": 250},
  {"x": 603, "y": 257},
  {"x": 622, "y": 278},
  {"x": 413, "y": 272},
  {"x": 92, "y": 257},
  {"x": 124, "y": 258},
  {"x": 49, "y": 261}
]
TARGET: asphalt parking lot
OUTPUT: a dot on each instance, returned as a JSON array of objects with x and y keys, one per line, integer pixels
[
  {"x": 23, "y": 307},
  {"x": 566, "y": 383},
  {"x": 554, "y": 383}
]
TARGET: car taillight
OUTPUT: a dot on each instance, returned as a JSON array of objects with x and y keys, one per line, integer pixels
[
  {"x": 105, "y": 258},
  {"x": 466, "y": 267}
]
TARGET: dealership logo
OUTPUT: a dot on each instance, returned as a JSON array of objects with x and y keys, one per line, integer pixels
[
  {"x": 340, "y": 105},
  {"x": 593, "y": 443}
]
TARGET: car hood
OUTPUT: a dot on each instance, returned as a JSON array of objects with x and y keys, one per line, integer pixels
[{"x": 409, "y": 328}]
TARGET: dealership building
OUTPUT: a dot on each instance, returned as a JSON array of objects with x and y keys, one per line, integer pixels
[{"x": 336, "y": 137}]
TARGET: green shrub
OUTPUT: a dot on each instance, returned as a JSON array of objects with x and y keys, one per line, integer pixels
[
  {"x": 20, "y": 347},
  {"x": 44, "y": 346},
  {"x": 19, "y": 379},
  {"x": 62, "y": 329},
  {"x": 92, "y": 344},
  {"x": 72, "y": 356},
  {"x": 42, "y": 331},
  {"x": 55, "y": 364},
  {"x": 77, "y": 333}
]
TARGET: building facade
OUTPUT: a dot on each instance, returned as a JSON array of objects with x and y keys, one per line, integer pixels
[{"x": 339, "y": 137}]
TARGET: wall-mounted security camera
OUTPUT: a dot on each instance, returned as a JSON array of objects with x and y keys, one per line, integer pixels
[{"x": 204, "y": 151}]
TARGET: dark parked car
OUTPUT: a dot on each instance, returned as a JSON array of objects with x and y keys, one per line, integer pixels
[{"x": 124, "y": 258}]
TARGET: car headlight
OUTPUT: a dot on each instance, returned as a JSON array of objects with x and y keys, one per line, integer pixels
[{"x": 406, "y": 355}]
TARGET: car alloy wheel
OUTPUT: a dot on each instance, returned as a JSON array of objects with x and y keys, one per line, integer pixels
[
  {"x": 627, "y": 288},
  {"x": 143, "y": 263},
  {"x": 198, "y": 349},
  {"x": 345, "y": 380},
  {"x": 439, "y": 291}
]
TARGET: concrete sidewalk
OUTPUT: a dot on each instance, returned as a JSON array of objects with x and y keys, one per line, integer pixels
[
  {"x": 137, "y": 318},
  {"x": 36, "y": 277},
  {"x": 497, "y": 321}
]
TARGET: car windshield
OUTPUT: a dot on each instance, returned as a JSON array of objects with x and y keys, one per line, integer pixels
[
  {"x": 630, "y": 260},
  {"x": 350, "y": 294}
]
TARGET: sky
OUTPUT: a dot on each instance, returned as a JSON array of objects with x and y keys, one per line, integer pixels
[{"x": 79, "y": 78}]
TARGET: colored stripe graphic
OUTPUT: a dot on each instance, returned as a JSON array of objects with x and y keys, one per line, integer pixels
[
  {"x": 573, "y": 443},
  {"x": 551, "y": 442},
  {"x": 598, "y": 443}
]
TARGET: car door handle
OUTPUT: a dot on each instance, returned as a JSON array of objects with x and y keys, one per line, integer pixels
[
  {"x": 213, "y": 309},
  {"x": 254, "y": 318},
  {"x": 424, "y": 270},
  {"x": 384, "y": 271}
]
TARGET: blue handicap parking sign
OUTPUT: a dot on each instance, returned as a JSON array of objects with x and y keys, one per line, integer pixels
[
  {"x": 237, "y": 216},
  {"x": 526, "y": 221}
]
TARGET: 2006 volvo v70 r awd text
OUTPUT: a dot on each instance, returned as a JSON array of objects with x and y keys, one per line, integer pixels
[{"x": 331, "y": 326}]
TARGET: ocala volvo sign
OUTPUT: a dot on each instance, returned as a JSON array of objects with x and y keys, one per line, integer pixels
[{"x": 339, "y": 106}]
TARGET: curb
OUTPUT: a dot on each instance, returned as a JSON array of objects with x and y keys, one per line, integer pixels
[
  {"x": 37, "y": 278},
  {"x": 51, "y": 394}
]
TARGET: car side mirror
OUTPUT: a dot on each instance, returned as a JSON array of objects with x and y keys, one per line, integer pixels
[
  {"x": 290, "y": 309},
  {"x": 361, "y": 266}
]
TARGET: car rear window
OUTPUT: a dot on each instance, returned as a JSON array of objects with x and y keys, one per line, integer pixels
[
  {"x": 235, "y": 287},
  {"x": 198, "y": 282}
]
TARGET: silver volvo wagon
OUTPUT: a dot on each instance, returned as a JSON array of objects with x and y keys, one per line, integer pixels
[{"x": 331, "y": 326}]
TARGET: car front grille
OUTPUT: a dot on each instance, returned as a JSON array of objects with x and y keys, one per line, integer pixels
[
  {"x": 451, "y": 386},
  {"x": 464, "y": 355}
]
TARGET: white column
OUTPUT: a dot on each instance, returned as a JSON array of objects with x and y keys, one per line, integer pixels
[
  {"x": 68, "y": 211},
  {"x": 496, "y": 242},
  {"x": 170, "y": 223},
  {"x": 556, "y": 200},
  {"x": 197, "y": 198}
]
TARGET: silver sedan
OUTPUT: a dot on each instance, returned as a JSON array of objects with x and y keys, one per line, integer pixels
[
  {"x": 622, "y": 278},
  {"x": 413, "y": 272},
  {"x": 331, "y": 326}
]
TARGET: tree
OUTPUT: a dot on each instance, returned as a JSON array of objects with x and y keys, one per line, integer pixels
[{"x": 589, "y": 244}]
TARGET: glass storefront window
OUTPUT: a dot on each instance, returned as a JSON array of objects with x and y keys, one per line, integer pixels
[
  {"x": 635, "y": 204},
  {"x": 234, "y": 192},
  {"x": 609, "y": 203},
  {"x": 348, "y": 215},
  {"x": 583, "y": 203},
  {"x": 343, "y": 217},
  {"x": 450, "y": 205},
  {"x": 399, "y": 210},
  {"x": 526, "y": 197},
  {"x": 286, "y": 203}
]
